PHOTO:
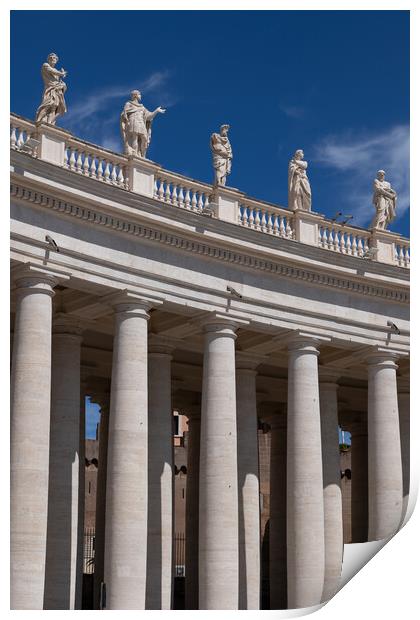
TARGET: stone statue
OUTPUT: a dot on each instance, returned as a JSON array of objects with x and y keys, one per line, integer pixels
[
  {"x": 222, "y": 155},
  {"x": 300, "y": 196},
  {"x": 385, "y": 201},
  {"x": 136, "y": 125},
  {"x": 53, "y": 104}
]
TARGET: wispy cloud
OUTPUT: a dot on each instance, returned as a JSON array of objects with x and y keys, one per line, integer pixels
[
  {"x": 361, "y": 157},
  {"x": 98, "y": 113},
  {"x": 293, "y": 111}
]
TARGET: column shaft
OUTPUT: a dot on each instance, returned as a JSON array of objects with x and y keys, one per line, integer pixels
[
  {"x": 160, "y": 497},
  {"x": 191, "y": 512},
  {"x": 100, "y": 519},
  {"x": 30, "y": 432},
  {"x": 278, "y": 512},
  {"x": 384, "y": 453},
  {"x": 126, "y": 490},
  {"x": 218, "y": 524},
  {"x": 359, "y": 483},
  {"x": 305, "y": 502},
  {"x": 248, "y": 490},
  {"x": 333, "y": 510},
  {"x": 404, "y": 412},
  {"x": 64, "y": 478}
]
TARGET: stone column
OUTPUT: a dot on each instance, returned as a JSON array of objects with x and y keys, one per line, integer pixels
[
  {"x": 305, "y": 501},
  {"x": 384, "y": 452},
  {"x": 81, "y": 517},
  {"x": 126, "y": 488},
  {"x": 218, "y": 521},
  {"x": 191, "y": 508},
  {"x": 278, "y": 508},
  {"x": 359, "y": 482},
  {"x": 64, "y": 467},
  {"x": 30, "y": 434},
  {"x": 248, "y": 485},
  {"x": 160, "y": 493},
  {"x": 333, "y": 510},
  {"x": 404, "y": 412},
  {"x": 100, "y": 519}
]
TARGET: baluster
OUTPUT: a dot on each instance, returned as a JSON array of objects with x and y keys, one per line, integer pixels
[
  {"x": 168, "y": 192},
  {"x": 181, "y": 198},
  {"x": 206, "y": 202},
  {"x": 330, "y": 239},
  {"x": 120, "y": 178},
  {"x": 92, "y": 169},
  {"x": 161, "y": 190},
  {"x": 174, "y": 195},
  {"x": 241, "y": 214},
  {"x": 66, "y": 157},
  {"x": 72, "y": 159},
  {"x": 348, "y": 243},
  {"x": 336, "y": 241},
  {"x": 325, "y": 237},
  {"x": 289, "y": 231},
  {"x": 282, "y": 226},
  {"x": 407, "y": 256},
  {"x": 107, "y": 171},
  {"x": 200, "y": 201},
  {"x": 100, "y": 172},
  {"x": 188, "y": 198},
  {"x": 401, "y": 256},
  {"x": 21, "y": 140},
  {"x": 251, "y": 218},
  {"x": 13, "y": 137},
  {"x": 354, "y": 246},
  {"x": 276, "y": 219},
  {"x": 359, "y": 247},
  {"x": 257, "y": 220},
  {"x": 342, "y": 243},
  {"x": 79, "y": 162},
  {"x": 113, "y": 173},
  {"x": 194, "y": 200},
  {"x": 86, "y": 165}
]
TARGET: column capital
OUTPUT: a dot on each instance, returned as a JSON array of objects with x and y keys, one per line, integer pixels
[
  {"x": 224, "y": 324},
  {"x": 248, "y": 361},
  {"x": 382, "y": 359},
  {"x": 161, "y": 345},
  {"x": 66, "y": 324},
  {"x": 131, "y": 302},
  {"x": 305, "y": 342},
  {"x": 28, "y": 277},
  {"x": 328, "y": 377}
]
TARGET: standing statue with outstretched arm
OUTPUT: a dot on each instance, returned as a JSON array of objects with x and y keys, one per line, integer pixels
[
  {"x": 136, "y": 125},
  {"x": 384, "y": 200},
  {"x": 300, "y": 196},
  {"x": 222, "y": 155},
  {"x": 53, "y": 104}
]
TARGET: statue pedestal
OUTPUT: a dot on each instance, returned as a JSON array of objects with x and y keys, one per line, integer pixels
[
  {"x": 52, "y": 143},
  {"x": 306, "y": 225},
  {"x": 141, "y": 176},
  {"x": 384, "y": 243},
  {"x": 226, "y": 201}
]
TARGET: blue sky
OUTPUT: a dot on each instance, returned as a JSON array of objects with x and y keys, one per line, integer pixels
[{"x": 335, "y": 83}]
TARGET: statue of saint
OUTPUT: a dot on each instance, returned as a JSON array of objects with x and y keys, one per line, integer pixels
[
  {"x": 222, "y": 155},
  {"x": 300, "y": 196},
  {"x": 384, "y": 200},
  {"x": 136, "y": 125},
  {"x": 53, "y": 104}
]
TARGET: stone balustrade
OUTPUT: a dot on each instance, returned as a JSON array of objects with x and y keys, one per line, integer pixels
[
  {"x": 266, "y": 218},
  {"x": 182, "y": 192},
  {"x": 344, "y": 239},
  {"x": 95, "y": 163},
  {"x": 59, "y": 147}
]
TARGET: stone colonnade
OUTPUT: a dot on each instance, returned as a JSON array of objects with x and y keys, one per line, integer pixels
[{"x": 135, "y": 510}]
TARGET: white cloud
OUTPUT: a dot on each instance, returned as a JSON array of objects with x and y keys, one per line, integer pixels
[
  {"x": 292, "y": 111},
  {"x": 92, "y": 112},
  {"x": 358, "y": 158}
]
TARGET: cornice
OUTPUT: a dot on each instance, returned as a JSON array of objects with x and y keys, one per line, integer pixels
[{"x": 124, "y": 225}]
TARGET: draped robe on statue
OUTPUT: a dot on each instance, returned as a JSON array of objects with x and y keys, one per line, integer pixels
[
  {"x": 300, "y": 196},
  {"x": 53, "y": 96},
  {"x": 136, "y": 120},
  {"x": 384, "y": 200}
]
